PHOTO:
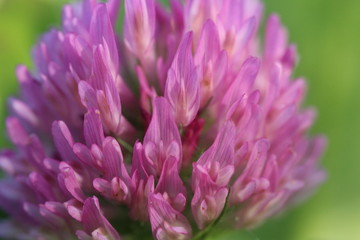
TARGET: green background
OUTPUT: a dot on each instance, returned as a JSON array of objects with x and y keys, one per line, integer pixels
[{"x": 327, "y": 33}]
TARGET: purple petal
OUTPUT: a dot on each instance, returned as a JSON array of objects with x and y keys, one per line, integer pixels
[
  {"x": 162, "y": 138},
  {"x": 182, "y": 88},
  {"x": 71, "y": 181},
  {"x": 93, "y": 130},
  {"x": 139, "y": 25},
  {"x": 63, "y": 140},
  {"x": 113, "y": 163},
  {"x": 171, "y": 183},
  {"x": 275, "y": 39},
  {"x": 92, "y": 219},
  {"x": 102, "y": 32},
  {"x": 166, "y": 222}
]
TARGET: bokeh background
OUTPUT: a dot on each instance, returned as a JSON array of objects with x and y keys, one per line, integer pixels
[{"x": 327, "y": 33}]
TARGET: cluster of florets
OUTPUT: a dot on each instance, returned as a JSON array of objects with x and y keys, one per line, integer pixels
[{"x": 172, "y": 123}]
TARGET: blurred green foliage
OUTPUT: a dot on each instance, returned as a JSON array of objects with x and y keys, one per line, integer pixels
[
  {"x": 21, "y": 23},
  {"x": 327, "y": 34}
]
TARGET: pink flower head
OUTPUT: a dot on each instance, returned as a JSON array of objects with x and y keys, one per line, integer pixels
[{"x": 159, "y": 130}]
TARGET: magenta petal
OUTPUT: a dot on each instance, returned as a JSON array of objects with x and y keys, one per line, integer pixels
[
  {"x": 63, "y": 140},
  {"x": 244, "y": 81},
  {"x": 42, "y": 186},
  {"x": 218, "y": 160},
  {"x": 209, "y": 43},
  {"x": 162, "y": 138},
  {"x": 88, "y": 96},
  {"x": 23, "y": 112},
  {"x": 139, "y": 25},
  {"x": 16, "y": 131},
  {"x": 113, "y": 160},
  {"x": 140, "y": 195},
  {"x": 74, "y": 208},
  {"x": 166, "y": 222},
  {"x": 71, "y": 181},
  {"x": 33, "y": 212},
  {"x": 102, "y": 33},
  {"x": 182, "y": 86},
  {"x": 83, "y": 235},
  {"x": 276, "y": 39},
  {"x": 208, "y": 201},
  {"x": 93, "y": 220},
  {"x": 84, "y": 155},
  {"x": 171, "y": 184},
  {"x": 93, "y": 130},
  {"x": 250, "y": 180},
  {"x": 244, "y": 34},
  {"x": 52, "y": 218},
  {"x": 138, "y": 162},
  {"x": 113, "y": 7},
  {"x": 101, "y": 72},
  {"x": 103, "y": 186}
]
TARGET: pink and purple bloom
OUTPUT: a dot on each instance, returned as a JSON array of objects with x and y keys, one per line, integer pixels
[{"x": 160, "y": 129}]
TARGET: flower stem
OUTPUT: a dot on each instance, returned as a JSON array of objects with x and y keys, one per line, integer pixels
[{"x": 124, "y": 144}]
